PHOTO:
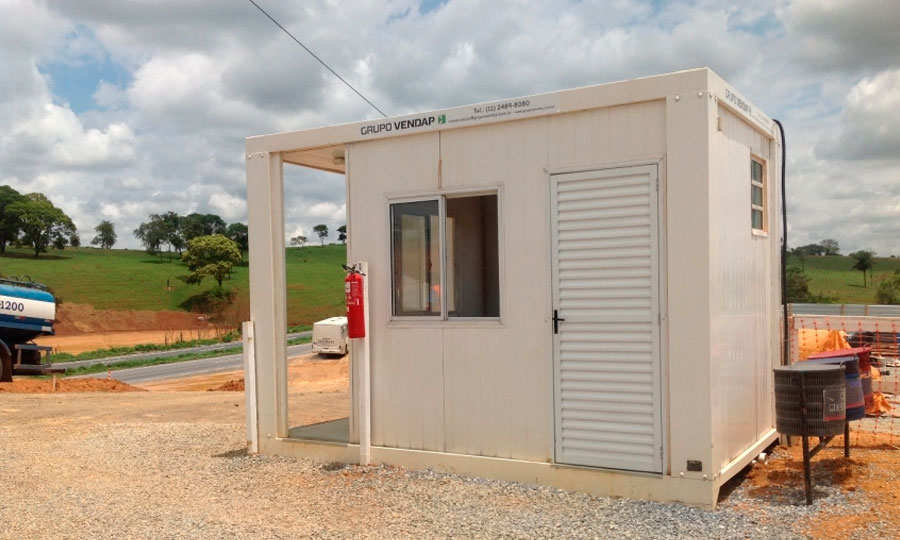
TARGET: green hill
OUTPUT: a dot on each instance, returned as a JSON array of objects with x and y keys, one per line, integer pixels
[
  {"x": 834, "y": 277},
  {"x": 122, "y": 279},
  {"x": 133, "y": 280}
]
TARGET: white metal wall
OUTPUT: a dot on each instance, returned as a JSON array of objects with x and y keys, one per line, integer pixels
[
  {"x": 743, "y": 275},
  {"x": 480, "y": 388}
]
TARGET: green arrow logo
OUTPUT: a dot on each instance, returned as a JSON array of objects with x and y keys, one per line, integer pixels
[{"x": 442, "y": 119}]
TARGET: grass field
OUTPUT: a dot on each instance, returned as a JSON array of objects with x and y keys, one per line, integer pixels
[
  {"x": 835, "y": 277},
  {"x": 133, "y": 280}
]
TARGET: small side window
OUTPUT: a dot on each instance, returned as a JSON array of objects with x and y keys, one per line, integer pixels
[{"x": 758, "y": 214}]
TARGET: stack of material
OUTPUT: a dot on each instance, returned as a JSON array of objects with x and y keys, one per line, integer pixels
[{"x": 835, "y": 348}]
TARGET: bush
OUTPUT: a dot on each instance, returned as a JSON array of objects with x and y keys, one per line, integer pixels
[
  {"x": 798, "y": 288},
  {"x": 889, "y": 290}
]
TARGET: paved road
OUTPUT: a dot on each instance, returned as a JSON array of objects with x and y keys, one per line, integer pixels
[
  {"x": 203, "y": 366},
  {"x": 236, "y": 347}
]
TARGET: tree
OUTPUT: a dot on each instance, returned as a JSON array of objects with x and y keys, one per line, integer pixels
[
  {"x": 797, "y": 285},
  {"x": 342, "y": 234},
  {"x": 194, "y": 225},
  {"x": 9, "y": 222},
  {"x": 812, "y": 249},
  {"x": 41, "y": 222},
  {"x": 75, "y": 240},
  {"x": 321, "y": 230},
  {"x": 151, "y": 235},
  {"x": 889, "y": 290},
  {"x": 106, "y": 235},
  {"x": 298, "y": 240},
  {"x": 161, "y": 229},
  {"x": 800, "y": 254},
  {"x": 238, "y": 233},
  {"x": 830, "y": 246},
  {"x": 212, "y": 255},
  {"x": 865, "y": 260}
]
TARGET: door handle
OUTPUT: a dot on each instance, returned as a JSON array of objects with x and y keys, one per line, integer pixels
[{"x": 556, "y": 321}]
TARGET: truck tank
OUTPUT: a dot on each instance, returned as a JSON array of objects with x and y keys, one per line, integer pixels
[{"x": 27, "y": 310}]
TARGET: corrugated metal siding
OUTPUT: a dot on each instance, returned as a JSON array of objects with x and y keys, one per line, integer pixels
[
  {"x": 736, "y": 129},
  {"x": 606, "y": 288},
  {"x": 741, "y": 284}
]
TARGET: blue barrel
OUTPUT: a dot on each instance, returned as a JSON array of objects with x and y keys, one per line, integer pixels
[{"x": 856, "y": 403}]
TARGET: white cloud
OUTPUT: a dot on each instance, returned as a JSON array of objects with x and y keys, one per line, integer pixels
[
  {"x": 110, "y": 211},
  {"x": 170, "y": 134},
  {"x": 871, "y": 120},
  {"x": 846, "y": 34},
  {"x": 228, "y": 206}
]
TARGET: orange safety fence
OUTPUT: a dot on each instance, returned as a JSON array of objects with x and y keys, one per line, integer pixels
[{"x": 818, "y": 333}]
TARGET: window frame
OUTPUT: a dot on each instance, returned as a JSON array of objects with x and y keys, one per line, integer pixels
[
  {"x": 441, "y": 197},
  {"x": 762, "y": 208}
]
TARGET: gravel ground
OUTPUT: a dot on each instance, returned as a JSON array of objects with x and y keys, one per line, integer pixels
[{"x": 85, "y": 467}]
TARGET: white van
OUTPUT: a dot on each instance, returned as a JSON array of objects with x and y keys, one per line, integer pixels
[{"x": 330, "y": 336}]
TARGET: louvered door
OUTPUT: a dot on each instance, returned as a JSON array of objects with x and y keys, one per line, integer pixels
[{"x": 606, "y": 329}]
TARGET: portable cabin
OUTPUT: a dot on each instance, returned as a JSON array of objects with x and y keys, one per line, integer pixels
[{"x": 578, "y": 289}]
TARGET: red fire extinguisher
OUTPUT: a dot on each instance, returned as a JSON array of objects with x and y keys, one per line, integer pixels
[{"x": 353, "y": 288}]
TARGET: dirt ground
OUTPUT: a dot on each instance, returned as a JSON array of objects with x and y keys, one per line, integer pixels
[
  {"x": 81, "y": 318},
  {"x": 80, "y": 327},
  {"x": 318, "y": 391},
  {"x": 27, "y": 385},
  {"x": 91, "y": 341},
  {"x": 871, "y": 475}
]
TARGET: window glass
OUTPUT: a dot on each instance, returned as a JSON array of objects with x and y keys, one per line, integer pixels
[
  {"x": 464, "y": 234},
  {"x": 756, "y": 218},
  {"x": 757, "y": 195},
  {"x": 756, "y": 171},
  {"x": 416, "y": 250},
  {"x": 472, "y": 258}
]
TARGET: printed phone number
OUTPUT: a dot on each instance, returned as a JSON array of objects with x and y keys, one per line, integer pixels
[{"x": 509, "y": 105}]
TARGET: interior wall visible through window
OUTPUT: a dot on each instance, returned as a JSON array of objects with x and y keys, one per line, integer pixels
[{"x": 445, "y": 257}]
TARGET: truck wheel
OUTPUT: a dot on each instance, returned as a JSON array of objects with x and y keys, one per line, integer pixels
[{"x": 5, "y": 366}]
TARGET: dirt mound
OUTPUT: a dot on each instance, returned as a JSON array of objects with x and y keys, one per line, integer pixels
[
  {"x": 82, "y": 318},
  {"x": 38, "y": 386},
  {"x": 229, "y": 386}
]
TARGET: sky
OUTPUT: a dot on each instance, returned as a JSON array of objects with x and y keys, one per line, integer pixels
[{"x": 120, "y": 109}]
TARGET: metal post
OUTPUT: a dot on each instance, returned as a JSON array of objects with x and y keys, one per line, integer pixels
[
  {"x": 804, "y": 429},
  {"x": 250, "y": 388},
  {"x": 846, "y": 438},
  {"x": 365, "y": 379}
]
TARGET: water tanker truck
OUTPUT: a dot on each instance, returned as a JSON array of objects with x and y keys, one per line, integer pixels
[{"x": 27, "y": 310}]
